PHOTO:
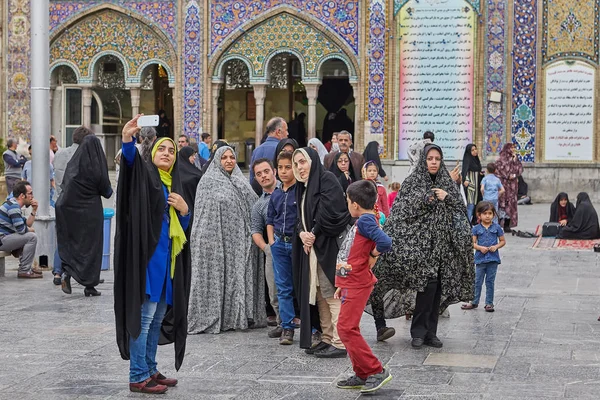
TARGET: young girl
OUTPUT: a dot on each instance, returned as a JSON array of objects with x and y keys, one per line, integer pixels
[
  {"x": 394, "y": 187},
  {"x": 370, "y": 171},
  {"x": 488, "y": 237}
]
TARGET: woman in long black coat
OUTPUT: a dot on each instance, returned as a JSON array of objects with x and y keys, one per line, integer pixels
[
  {"x": 322, "y": 219},
  {"x": 80, "y": 217},
  {"x": 152, "y": 260}
]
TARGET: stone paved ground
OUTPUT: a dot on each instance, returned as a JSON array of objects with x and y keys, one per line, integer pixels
[{"x": 541, "y": 343}]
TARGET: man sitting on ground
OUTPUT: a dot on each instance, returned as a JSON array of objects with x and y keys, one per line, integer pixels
[{"x": 16, "y": 233}]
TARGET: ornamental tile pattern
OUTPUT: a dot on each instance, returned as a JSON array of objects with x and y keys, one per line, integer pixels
[
  {"x": 163, "y": 13},
  {"x": 570, "y": 29},
  {"x": 192, "y": 71},
  {"x": 110, "y": 31},
  {"x": 339, "y": 16},
  {"x": 282, "y": 33},
  {"x": 524, "y": 78},
  {"x": 18, "y": 53},
  {"x": 398, "y": 4},
  {"x": 377, "y": 66},
  {"x": 495, "y": 75}
]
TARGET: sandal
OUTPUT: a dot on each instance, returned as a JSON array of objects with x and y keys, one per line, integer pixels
[
  {"x": 469, "y": 306},
  {"x": 489, "y": 308}
]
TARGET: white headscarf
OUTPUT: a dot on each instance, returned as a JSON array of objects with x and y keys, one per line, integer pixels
[{"x": 320, "y": 148}]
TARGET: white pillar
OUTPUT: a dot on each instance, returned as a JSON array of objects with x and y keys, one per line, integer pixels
[
  {"x": 86, "y": 99},
  {"x": 216, "y": 91},
  {"x": 312, "y": 92},
  {"x": 260, "y": 93},
  {"x": 135, "y": 101},
  {"x": 56, "y": 114},
  {"x": 356, "y": 110},
  {"x": 40, "y": 105},
  {"x": 51, "y": 105},
  {"x": 40, "y": 127}
]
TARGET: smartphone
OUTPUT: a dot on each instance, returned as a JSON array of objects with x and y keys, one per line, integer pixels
[{"x": 147, "y": 120}]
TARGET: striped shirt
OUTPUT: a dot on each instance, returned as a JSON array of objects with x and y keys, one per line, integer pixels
[
  {"x": 258, "y": 216},
  {"x": 11, "y": 218}
]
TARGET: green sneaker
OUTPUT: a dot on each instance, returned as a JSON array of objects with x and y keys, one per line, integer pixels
[
  {"x": 354, "y": 382},
  {"x": 375, "y": 382}
]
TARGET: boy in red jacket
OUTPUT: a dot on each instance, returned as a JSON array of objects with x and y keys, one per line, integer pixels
[{"x": 355, "y": 280}]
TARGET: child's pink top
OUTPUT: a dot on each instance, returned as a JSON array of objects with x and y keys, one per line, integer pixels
[{"x": 391, "y": 198}]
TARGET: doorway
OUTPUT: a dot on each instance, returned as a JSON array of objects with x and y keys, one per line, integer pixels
[{"x": 335, "y": 104}]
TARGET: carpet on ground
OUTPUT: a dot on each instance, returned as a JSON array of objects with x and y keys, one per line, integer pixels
[{"x": 551, "y": 243}]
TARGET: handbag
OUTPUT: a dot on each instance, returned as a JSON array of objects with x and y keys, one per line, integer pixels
[{"x": 550, "y": 229}]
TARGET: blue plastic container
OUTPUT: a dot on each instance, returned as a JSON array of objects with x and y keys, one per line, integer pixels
[{"x": 108, "y": 214}]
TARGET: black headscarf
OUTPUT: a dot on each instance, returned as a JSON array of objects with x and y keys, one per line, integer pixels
[
  {"x": 189, "y": 175},
  {"x": 554, "y": 208},
  {"x": 470, "y": 162},
  {"x": 341, "y": 177},
  {"x": 282, "y": 143},
  {"x": 371, "y": 153},
  {"x": 584, "y": 225},
  {"x": 326, "y": 215},
  {"x": 79, "y": 212},
  {"x": 140, "y": 212}
]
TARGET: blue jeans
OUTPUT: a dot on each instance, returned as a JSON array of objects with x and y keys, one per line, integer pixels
[
  {"x": 282, "y": 269},
  {"x": 487, "y": 271},
  {"x": 57, "y": 266},
  {"x": 142, "y": 350},
  {"x": 470, "y": 211}
]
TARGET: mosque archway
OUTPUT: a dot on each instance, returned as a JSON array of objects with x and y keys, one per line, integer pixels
[
  {"x": 126, "y": 66},
  {"x": 296, "y": 42}
]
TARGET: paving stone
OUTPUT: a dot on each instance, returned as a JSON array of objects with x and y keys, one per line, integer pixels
[
  {"x": 461, "y": 360},
  {"x": 541, "y": 343}
]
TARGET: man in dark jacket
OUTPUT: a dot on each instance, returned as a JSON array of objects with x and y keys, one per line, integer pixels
[{"x": 345, "y": 143}]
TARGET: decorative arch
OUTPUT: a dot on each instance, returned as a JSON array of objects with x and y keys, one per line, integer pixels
[
  {"x": 219, "y": 75},
  {"x": 287, "y": 31},
  {"x": 351, "y": 72},
  {"x": 161, "y": 19},
  {"x": 340, "y": 18},
  {"x": 98, "y": 56},
  {"x": 66, "y": 63},
  {"x": 109, "y": 30},
  {"x": 275, "y": 52},
  {"x": 152, "y": 62}
]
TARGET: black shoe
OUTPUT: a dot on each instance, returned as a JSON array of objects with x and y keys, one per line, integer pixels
[
  {"x": 433, "y": 342},
  {"x": 320, "y": 346},
  {"x": 56, "y": 280},
  {"x": 275, "y": 332},
  {"x": 100, "y": 281},
  {"x": 417, "y": 342},
  {"x": 65, "y": 282},
  {"x": 331, "y": 352},
  {"x": 385, "y": 333},
  {"x": 91, "y": 292}
]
